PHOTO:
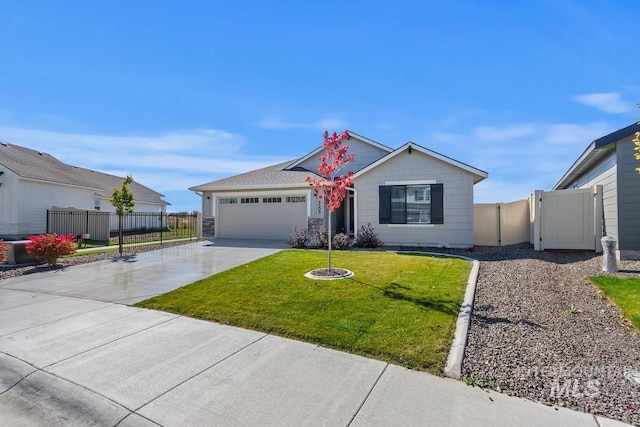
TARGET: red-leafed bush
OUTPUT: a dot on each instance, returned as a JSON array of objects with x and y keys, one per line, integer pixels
[
  {"x": 3, "y": 249},
  {"x": 50, "y": 247}
]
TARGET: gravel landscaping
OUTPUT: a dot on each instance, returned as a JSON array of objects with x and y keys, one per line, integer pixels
[{"x": 540, "y": 330}]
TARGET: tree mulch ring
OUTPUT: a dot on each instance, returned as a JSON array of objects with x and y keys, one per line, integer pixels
[{"x": 329, "y": 274}]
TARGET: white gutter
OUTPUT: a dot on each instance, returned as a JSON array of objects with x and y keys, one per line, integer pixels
[
  {"x": 44, "y": 181},
  {"x": 249, "y": 187}
]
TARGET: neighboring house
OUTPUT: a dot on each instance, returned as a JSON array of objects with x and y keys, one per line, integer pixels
[
  {"x": 609, "y": 161},
  {"x": 410, "y": 196},
  {"x": 31, "y": 182}
]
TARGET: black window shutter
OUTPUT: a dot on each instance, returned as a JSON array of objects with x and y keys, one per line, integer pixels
[
  {"x": 437, "y": 204},
  {"x": 384, "y": 203}
]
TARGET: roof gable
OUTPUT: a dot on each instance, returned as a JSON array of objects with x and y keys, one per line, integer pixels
[
  {"x": 597, "y": 150},
  {"x": 478, "y": 175},
  {"x": 383, "y": 149}
]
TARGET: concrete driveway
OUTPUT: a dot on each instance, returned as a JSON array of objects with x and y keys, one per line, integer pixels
[
  {"x": 71, "y": 356},
  {"x": 136, "y": 278}
]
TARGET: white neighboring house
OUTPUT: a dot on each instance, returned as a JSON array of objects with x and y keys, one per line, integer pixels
[
  {"x": 31, "y": 182},
  {"x": 410, "y": 196}
]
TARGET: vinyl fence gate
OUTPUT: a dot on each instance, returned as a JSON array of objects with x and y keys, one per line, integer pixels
[{"x": 568, "y": 219}]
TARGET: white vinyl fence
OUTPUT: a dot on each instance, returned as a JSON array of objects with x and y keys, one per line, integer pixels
[
  {"x": 501, "y": 224},
  {"x": 550, "y": 220}
]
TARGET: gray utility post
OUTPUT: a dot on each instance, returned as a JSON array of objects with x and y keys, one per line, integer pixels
[{"x": 609, "y": 261}]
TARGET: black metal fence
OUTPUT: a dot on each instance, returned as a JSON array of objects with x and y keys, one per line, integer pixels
[{"x": 102, "y": 228}]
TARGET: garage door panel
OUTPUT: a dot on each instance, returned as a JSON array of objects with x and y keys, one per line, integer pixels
[{"x": 273, "y": 221}]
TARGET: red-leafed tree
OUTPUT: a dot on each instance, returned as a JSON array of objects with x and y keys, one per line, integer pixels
[{"x": 331, "y": 187}]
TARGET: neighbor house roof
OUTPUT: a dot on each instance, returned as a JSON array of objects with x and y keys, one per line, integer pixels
[
  {"x": 596, "y": 151},
  {"x": 478, "y": 175},
  {"x": 276, "y": 176},
  {"x": 39, "y": 166}
]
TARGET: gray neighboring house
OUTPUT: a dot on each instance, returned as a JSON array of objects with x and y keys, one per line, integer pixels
[
  {"x": 410, "y": 195},
  {"x": 609, "y": 161},
  {"x": 31, "y": 182}
]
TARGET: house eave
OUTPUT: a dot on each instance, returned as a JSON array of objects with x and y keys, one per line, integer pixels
[
  {"x": 146, "y": 202},
  {"x": 588, "y": 158},
  {"x": 45, "y": 181},
  {"x": 248, "y": 187},
  {"x": 593, "y": 153}
]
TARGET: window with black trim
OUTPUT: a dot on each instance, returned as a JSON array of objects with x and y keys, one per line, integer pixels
[
  {"x": 248, "y": 200},
  {"x": 228, "y": 201},
  {"x": 411, "y": 204}
]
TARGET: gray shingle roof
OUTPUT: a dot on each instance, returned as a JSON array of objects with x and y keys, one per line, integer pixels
[
  {"x": 37, "y": 165},
  {"x": 275, "y": 176}
]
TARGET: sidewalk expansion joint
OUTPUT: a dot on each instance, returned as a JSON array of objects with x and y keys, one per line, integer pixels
[
  {"x": 110, "y": 342},
  {"x": 200, "y": 373},
  {"x": 54, "y": 321},
  {"x": 368, "y": 395}
]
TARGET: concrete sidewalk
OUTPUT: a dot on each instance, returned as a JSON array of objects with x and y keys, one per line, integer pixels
[{"x": 69, "y": 356}]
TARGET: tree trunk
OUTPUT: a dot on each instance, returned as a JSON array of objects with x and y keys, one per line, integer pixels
[
  {"x": 120, "y": 227},
  {"x": 329, "y": 238}
]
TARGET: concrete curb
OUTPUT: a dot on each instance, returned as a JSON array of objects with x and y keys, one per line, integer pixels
[{"x": 453, "y": 368}]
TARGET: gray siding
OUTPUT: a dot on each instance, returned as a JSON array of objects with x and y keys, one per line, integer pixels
[
  {"x": 364, "y": 154},
  {"x": 457, "y": 230},
  {"x": 628, "y": 196},
  {"x": 605, "y": 174}
]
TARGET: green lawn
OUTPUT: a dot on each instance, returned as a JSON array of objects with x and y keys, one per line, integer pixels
[
  {"x": 625, "y": 293},
  {"x": 399, "y": 308}
]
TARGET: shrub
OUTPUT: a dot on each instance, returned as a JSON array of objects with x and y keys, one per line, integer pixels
[
  {"x": 3, "y": 249},
  {"x": 367, "y": 238},
  {"x": 319, "y": 237},
  {"x": 340, "y": 241},
  {"x": 50, "y": 247},
  {"x": 298, "y": 239}
]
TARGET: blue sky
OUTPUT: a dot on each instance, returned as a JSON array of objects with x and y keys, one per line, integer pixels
[{"x": 182, "y": 93}]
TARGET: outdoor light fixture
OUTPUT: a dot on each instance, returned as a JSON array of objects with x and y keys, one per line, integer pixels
[{"x": 1, "y": 173}]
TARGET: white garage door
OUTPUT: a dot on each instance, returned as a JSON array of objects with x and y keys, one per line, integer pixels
[{"x": 271, "y": 217}]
